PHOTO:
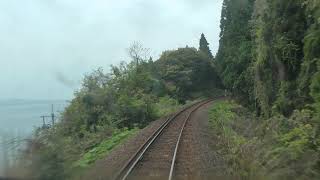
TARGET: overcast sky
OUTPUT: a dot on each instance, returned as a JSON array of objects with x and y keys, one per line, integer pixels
[{"x": 46, "y": 46}]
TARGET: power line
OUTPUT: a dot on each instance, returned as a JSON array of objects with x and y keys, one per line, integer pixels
[{"x": 52, "y": 116}]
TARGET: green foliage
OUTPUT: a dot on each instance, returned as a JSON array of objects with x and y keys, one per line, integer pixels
[
  {"x": 187, "y": 71},
  {"x": 281, "y": 55},
  {"x": 221, "y": 116},
  {"x": 291, "y": 149},
  {"x": 311, "y": 47},
  {"x": 130, "y": 96},
  {"x": 276, "y": 148},
  {"x": 204, "y": 47},
  {"x": 279, "y": 28},
  {"x": 315, "y": 90},
  {"x": 234, "y": 144},
  {"x": 277, "y": 64},
  {"x": 102, "y": 149},
  {"x": 295, "y": 142},
  {"x": 271, "y": 60},
  {"x": 285, "y": 101},
  {"x": 166, "y": 105},
  {"x": 234, "y": 56}
]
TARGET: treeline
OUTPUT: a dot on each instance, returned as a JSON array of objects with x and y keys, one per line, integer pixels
[
  {"x": 269, "y": 58},
  {"x": 269, "y": 52},
  {"x": 130, "y": 95}
]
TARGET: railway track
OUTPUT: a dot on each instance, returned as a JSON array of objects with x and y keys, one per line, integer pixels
[{"x": 156, "y": 158}]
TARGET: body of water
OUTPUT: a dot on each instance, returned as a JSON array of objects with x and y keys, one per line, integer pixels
[
  {"x": 22, "y": 116},
  {"x": 18, "y": 119}
]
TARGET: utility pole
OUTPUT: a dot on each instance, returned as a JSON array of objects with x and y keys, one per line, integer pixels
[
  {"x": 43, "y": 120},
  {"x": 52, "y": 115}
]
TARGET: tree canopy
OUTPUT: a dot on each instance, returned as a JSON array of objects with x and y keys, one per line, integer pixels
[
  {"x": 269, "y": 59},
  {"x": 204, "y": 46},
  {"x": 186, "y": 72}
]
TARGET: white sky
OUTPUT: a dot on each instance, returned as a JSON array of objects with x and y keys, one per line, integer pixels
[{"x": 46, "y": 46}]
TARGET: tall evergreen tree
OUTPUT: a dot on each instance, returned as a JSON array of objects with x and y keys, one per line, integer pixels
[
  {"x": 234, "y": 56},
  {"x": 204, "y": 46}
]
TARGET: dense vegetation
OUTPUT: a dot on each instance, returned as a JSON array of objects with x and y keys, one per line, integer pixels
[
  {"x": 249, "y": 147},
  {"x": 269, "y": 52},
  {"x": 111, "y": 107},
  {"x": 269, "y": 58}
]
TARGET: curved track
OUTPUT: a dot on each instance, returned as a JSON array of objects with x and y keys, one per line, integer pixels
[{"x": 155, "y": 159}]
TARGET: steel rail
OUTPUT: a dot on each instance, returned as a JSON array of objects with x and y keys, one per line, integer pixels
[
  {"x": 131, "y": 163},
  {"x": 179, "y": 138}
]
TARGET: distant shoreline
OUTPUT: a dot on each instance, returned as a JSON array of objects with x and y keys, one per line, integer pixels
[{"x": 24, "y": 115}]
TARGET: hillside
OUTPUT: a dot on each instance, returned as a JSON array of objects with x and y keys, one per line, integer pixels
[
  {"x": 269, "y": 58},
  {"x": 111, "y": 107}
]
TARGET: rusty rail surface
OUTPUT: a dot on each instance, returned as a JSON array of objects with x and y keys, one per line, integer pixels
[{"x": 133, "y": 161}]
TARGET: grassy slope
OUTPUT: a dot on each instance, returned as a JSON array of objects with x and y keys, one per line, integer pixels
[
  {"x": 100, "y": 151},
  {"x": 105, "y": 147},
  {"x": 232, "y": 130}
]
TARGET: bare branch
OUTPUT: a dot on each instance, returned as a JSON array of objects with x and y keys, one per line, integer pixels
[{"x": 138, "y": 53}]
